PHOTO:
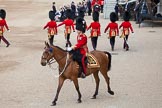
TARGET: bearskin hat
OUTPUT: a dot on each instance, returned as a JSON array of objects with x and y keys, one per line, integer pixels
[
  {"x": 68, "y": 13},
  {"x": 81, "y": 12},
  {"x": 80, "y": 24},
  {"x": 126, "y": 16},
  {"x": 113, "y": 17},
  {"x": 2, "y": 13},
  {"x": 95, "y": 16},
  {"x": 51, "y": 15}
]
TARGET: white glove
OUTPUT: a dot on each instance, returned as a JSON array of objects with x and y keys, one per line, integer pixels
[
  {"x": 9, "y": 30},
  {"x": 69, "y": 49}
]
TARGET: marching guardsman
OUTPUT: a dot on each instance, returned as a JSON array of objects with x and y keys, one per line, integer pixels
[
  {"x": 113, "y": 31},
  {"x": 69, "y": 24},
  {"x": 54, "y": 8},
  {"x": 95, "y": 31},
  {"x": 96, "y": 5},
  {"x": 102, "y": 5},
  {"x": 3, "y": 24},
  {"x": 81, "y": 45},
  {"x": 52, "y": 27},
  {"x": 125, "y": 32}
]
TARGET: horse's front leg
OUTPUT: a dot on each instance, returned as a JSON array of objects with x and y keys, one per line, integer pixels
[
  {"x": 77, "y": 88},
  {"x": 61, "y": 81}
]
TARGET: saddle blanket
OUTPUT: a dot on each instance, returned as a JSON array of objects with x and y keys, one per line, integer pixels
[{"x": 92, "y": 61}]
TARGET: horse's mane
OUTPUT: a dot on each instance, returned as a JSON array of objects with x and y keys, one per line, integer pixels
[{"x": 59, "y": 48}]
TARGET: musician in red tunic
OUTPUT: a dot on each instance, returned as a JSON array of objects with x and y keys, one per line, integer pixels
[
  {"x": 81, "y": 45},
  {"x": 126, "y": 29},
  {"x": 3, "y": 24},
  {"x": 95, "y": 31},
  {"x": 69, "y": 24},
  {"x": 52, "y": 27},
  {"x": 113, "y": 29}
]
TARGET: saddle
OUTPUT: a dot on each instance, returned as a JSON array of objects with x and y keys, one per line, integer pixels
[{"x": 92, "y": 61}]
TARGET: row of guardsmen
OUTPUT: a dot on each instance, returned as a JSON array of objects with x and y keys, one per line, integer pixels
[{"x": 95, "y": 29}]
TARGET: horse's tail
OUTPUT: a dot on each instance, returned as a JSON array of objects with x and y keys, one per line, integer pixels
[{"x": 109, "y": 57}]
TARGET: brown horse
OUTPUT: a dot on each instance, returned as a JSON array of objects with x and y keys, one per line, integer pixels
[{"x": 70, "y": 70}]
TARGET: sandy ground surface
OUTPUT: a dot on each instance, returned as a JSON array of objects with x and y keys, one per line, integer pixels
[{"x": 136, "y": 75}]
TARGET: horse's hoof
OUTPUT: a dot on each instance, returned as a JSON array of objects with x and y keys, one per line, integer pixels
[
  {"x": 79, "y": 101},
  {"x": 111, "y": 92},
  {"x": 94, "y": 97},
  {"x": 53, "y": 104}
]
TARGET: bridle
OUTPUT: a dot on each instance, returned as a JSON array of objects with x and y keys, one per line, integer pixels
[{"x": 52, "y": 60}]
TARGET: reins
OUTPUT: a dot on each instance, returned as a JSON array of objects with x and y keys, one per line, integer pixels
[
  {"x": 51, "y": 61},
  {"x": 66, "y": 64}
]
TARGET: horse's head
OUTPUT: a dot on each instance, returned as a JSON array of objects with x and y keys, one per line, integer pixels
[{"x": 47, "y": 54}]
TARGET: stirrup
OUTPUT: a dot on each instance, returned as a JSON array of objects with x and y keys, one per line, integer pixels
[{"x": 83, "y": 75}]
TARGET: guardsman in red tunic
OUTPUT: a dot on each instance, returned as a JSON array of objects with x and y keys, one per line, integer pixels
[
  {"x": 81, "y": 45},
  {"x": 69, "y": 24},
  {"x": 113, "y": 31},
  {"x": 94, "y": 2},
  {"x": 3, "y": 24},
  {"x": 126, "y": 29},
  {"x": 102, "y": 5},
  {"x": 52, "y": 27},
  {"x": 95, "y": 31}
]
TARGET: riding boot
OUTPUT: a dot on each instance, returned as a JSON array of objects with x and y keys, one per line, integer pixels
[
  {"x": 83, "y": 75},
  {"x": 81, "y": 72},
  {"x": 84, "y": 70}
]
